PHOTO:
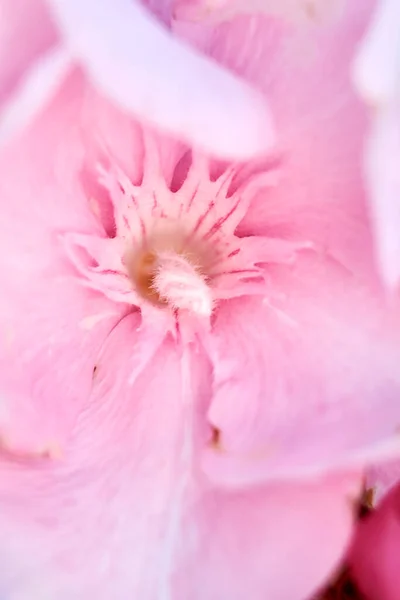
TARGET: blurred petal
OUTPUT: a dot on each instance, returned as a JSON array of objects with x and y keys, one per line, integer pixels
[{"x": 137, "y": 63}]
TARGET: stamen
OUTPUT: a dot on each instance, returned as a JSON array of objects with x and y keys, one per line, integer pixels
[
  {"x": 180, "y": 284},
  {"x": 172, "y": 279}
]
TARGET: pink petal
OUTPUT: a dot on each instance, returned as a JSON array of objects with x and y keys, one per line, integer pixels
[
  {"x": 126, "y": 515},
  {"x": 101, "y": 265},
  {"x": 53, "y": 327},
  {"x": 319, "y": 192},
  {"x": 376, "y": 551},
  {"x": 184, "y": 93},
  {"x": 32, "y": 62},
  {"x": 280, "y": 542},
  {"x": 300, "y": 387},
  {"x": 319, "y": 189},
  {"x": 318, "y": 196},
  {"x": 310, "y": 10},
  {"x": 105, "y": 521}
]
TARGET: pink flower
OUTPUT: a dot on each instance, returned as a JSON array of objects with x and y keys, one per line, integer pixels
[
  {"x": 196, "y": 360},
  {"x": 120, "y": 45},
  {"x": 377, "y": 78},
  {"x": 375, "y": 556}
]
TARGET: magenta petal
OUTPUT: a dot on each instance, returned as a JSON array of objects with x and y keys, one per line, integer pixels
[
  {"x": 382, "y": 478},
  {"x": 140, "y": 66},
  {"x": 375, "y": 555}
]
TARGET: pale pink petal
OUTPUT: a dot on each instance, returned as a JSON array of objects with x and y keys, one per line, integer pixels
[
  {"x": 376, "y": 69},
  {"x": 52, "y": 327},
  {"x": 141, "y": 67},
  {"x": 376, "y": 75},
  {"x": 382, "y": 161},
  {"x": 279, "y": 542},
  {"x": 375, "y": 555}
]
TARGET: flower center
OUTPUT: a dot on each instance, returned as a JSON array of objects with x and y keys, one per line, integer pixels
[{"x": 172, "y": 278}]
